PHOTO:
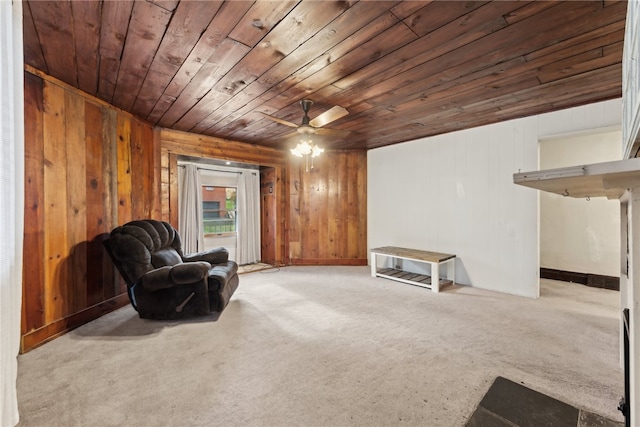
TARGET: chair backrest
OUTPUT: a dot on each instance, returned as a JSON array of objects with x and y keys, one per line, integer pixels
[{"x": 141, "y": 246}]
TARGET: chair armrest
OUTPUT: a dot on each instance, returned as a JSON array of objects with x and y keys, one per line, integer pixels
[
  {"x": 179, "y": 274},
  {"x": 220, "y": 274},
  {"x": 190, "y": 272},
  {"x": 212, "y": 256}
]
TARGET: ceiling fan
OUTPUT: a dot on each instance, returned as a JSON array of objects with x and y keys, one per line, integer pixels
[{"x": 314, "y": 126}]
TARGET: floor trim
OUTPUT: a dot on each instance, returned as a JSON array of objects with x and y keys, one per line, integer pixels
[{"x": 592, "y": 280}]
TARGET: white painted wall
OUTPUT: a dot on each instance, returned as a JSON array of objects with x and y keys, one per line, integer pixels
[
  {"x": 576, "y": 234},
  {"x": 454, "y": 193}
]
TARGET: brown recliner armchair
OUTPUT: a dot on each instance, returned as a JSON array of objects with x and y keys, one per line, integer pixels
[{"x": 162, "y": 282}]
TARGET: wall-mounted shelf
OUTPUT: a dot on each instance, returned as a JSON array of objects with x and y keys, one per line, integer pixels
[{"x": 609, "y": 179}]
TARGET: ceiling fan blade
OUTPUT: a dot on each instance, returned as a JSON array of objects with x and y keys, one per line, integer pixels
[
  {"x": 332, "y": 132},
  {"x": 334, "y": 113},
  {"x": 277, "y": 120}
]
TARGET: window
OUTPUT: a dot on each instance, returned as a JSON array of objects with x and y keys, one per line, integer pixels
[{"x": 218, "y": 209}]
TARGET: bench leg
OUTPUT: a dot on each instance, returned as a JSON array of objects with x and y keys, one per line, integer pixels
[
  {"x": 373, "y": 265},
  {"x": 435, "y": 277},
  {"x": 452, "y": 266}
]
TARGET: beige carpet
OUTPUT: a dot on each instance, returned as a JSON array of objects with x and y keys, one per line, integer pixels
[{"x": 328, "y": 346}]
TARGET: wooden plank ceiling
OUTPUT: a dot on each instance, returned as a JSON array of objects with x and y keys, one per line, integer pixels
[{"x": 403, "y": 70}]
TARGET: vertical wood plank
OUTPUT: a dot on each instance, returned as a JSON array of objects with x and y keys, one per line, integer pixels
[
  {"x": 173, "y": 190},
  {"x": 110, "y": 164},
  {"x": 332, "y": 204},
  {"x": 312, "y": 199},
  {"x": 343, "y": 209},
  {"x": 352, "y": 215},
  {"x": 321, "y": 211},
  {"x": 296, "y": 194},
  {"x": 95, "y": 189},
  {"x": 55, "y": 209},
  {"x": 76, "y": 202},
  {"x": 144, "y": 150},
  {"x": 113, "y": 283},
  {"x": 125, "y": 185},
  {"x": 124, "y": 168},
  {"x": 144, "y": 146},
  {"x": 156, "y": 182},
  {"x": 138, "y": 162},
  {"x": 33, "y": 276},
  {"x": 310, "y": 228},
  {"x": 164, "y": 186},
  {"x": 148, "y": 157}
]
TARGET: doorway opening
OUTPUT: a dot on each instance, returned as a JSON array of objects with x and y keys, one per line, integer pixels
[
  {"x": 219, "y": 205},
  {"x": 579, "y": 239}
]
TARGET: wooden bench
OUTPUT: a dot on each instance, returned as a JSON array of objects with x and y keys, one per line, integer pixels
[{"x": 435, "y": 259}]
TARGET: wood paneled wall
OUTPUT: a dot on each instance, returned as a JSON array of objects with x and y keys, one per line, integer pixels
[
  {"x": 88, "y": 168},
  {"x": 328, "y": 210},
  {"x": 320, "y": 216}
]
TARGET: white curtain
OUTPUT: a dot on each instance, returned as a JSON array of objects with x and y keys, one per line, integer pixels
[
  {"x": 190, "y": 209},
  {"x": 11, "y": 204},
  {"x": 248, "y": 218}
]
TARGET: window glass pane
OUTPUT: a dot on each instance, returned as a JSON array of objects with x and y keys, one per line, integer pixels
[{"x": 219, "y": 209}]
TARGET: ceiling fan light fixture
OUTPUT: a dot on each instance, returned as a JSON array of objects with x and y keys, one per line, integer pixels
[
  {"x": 302, "y": 149},
  {"x": 316, "y": 151},
  {"x": 307, "y": 149}
]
